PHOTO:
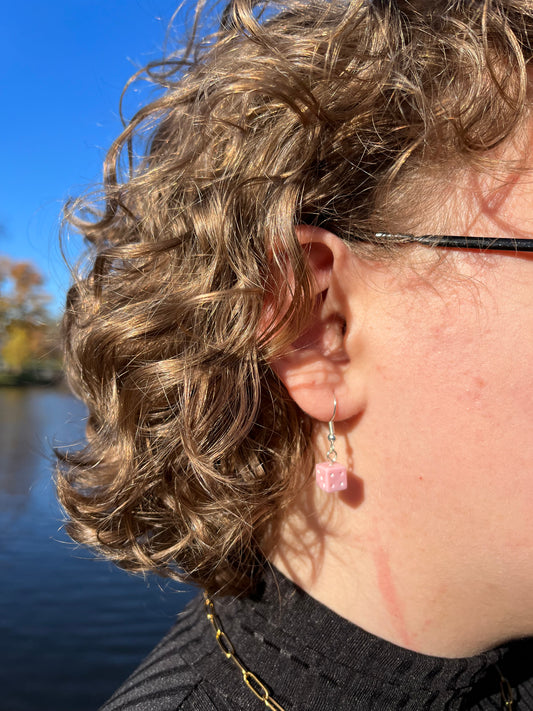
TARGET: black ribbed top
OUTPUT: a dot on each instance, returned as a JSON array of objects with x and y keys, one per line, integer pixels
[{"x": 312, "y": 659}]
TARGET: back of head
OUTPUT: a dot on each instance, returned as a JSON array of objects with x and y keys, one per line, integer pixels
[{"x": 329, "y": 113}]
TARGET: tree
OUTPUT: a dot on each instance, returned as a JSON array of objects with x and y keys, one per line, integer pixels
[
  {"x": 22, "y": 297},
  {"x": 17, "y": 350},
  {"x": 28, "y": 336}
]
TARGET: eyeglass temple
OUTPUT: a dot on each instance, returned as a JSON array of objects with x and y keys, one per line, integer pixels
[{"x": 490, "y": 243}]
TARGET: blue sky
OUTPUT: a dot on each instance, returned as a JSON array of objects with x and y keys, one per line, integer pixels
[{"x": 63, "y": 65}]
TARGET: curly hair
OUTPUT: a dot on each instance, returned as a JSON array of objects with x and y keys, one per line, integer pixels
[{"x": 322, "y": 112}]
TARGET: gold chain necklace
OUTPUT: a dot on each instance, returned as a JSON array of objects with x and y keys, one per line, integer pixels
[
  {"x": 255, "y": 684},
  {"x": 260, "y": 690}
]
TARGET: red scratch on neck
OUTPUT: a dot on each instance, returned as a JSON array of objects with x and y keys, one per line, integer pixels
[{"x": 389, "y": 594}]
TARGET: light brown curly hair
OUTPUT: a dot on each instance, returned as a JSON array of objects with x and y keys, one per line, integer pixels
[{"x": 322, "y": 112}]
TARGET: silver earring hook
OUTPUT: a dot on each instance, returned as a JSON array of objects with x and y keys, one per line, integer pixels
[{"x": 332, "y": 454}]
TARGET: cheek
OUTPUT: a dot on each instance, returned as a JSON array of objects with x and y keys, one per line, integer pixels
[{"x": 452, "y": 393}]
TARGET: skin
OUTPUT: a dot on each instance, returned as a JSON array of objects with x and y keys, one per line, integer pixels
[{"x": 431, "y": 363}]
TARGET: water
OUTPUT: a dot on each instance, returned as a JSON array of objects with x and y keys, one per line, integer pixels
[{"x": 71, "y": 628}]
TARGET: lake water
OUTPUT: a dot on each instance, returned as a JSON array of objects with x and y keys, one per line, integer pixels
[{"x": 71, "y": 627}]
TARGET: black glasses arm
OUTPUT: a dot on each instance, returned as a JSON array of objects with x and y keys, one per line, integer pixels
[{"x": 500, "y": 244}]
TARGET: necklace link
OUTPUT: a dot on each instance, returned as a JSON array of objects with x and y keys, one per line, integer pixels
[
  {"x": 506, "y": 693},
  {"x": 225, "y": 644}
]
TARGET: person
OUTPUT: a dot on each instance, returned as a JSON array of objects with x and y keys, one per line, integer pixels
[{"x": 313, "y": 250}]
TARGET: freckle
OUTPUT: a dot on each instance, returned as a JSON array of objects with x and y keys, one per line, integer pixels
[{"x": 475, "y": 391}]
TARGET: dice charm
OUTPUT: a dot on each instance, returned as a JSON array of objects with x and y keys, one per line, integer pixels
[{"x": 331, "y": 476}]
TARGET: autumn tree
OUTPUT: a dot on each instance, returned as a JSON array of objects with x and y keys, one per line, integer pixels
[{"x": 25, "y": 326}]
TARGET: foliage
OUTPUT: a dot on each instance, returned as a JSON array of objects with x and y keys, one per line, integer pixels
[
  {"x": 28, "y": 336},
  {"x": 17, "y": 349}
]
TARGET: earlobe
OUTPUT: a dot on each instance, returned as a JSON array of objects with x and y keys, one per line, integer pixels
[{"x": 317, "y": 366}]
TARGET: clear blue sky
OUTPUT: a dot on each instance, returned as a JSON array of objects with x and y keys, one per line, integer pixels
[{"x": 63, "y": 65}]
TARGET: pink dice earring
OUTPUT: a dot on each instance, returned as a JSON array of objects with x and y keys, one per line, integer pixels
[{"x": 331, "y": 476}]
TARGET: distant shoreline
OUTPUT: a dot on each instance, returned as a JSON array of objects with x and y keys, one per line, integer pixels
[{"x": 45, "y": 378}]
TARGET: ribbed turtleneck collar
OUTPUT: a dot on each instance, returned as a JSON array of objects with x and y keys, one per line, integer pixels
[{"x": 314, "y": 660}]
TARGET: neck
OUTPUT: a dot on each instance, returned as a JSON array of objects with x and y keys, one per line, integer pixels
[{"x": 393, "y": 577}]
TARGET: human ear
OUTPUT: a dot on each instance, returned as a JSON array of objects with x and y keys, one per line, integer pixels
[{"x": 320, "y": 364}]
